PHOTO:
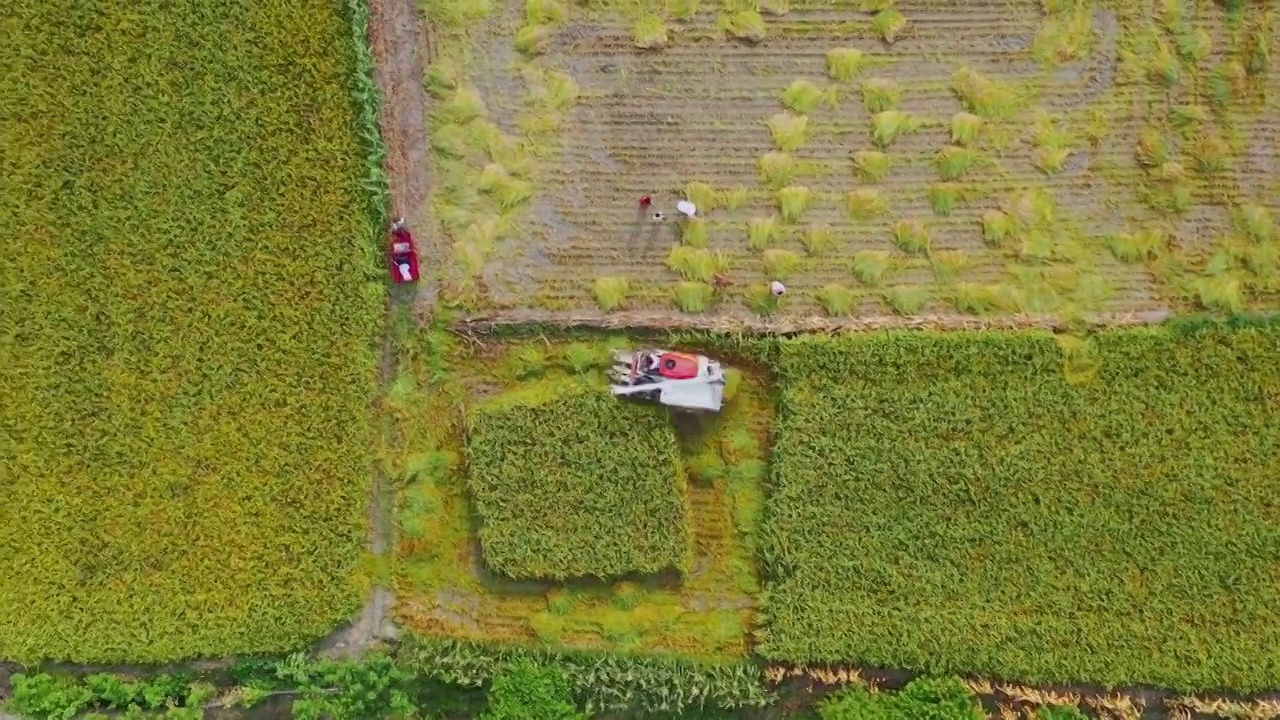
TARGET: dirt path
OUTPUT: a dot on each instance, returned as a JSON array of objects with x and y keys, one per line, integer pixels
[
  {"x": 399, "y": 39},
  {"x": 397, "y": 36}
]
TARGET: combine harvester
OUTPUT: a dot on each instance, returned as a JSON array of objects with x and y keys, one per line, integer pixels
[{"x": 683, "y": 381}]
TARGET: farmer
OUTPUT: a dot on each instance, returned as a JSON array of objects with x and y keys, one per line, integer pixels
[
  {"x": 645, "y": 202},
  {"x": 406, "y": 273},
  {"x": 777, "y": 288},
  {"x": 686, "y": 208},
  {"x": 650, "y": 363}
]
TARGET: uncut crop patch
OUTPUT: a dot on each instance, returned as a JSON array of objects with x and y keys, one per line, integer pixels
[
  {"x": 569, "y": 482},
  {"x": 1097, "y": 229},
  {"x": 443, "y": 581},
  {"x": 950, "y": 503},
  {"x": 189, "y": 312}
]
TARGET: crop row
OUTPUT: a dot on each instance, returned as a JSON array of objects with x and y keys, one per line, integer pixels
[
  {"x": 569, "y": 482},
  {"x": 959, "y": 502},
  {"x": 191, "y": 307}
]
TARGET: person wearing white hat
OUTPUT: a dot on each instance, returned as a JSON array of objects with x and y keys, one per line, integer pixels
[
  {"x": 686, "y": 208},
  {"x": 777, "y": 288}
]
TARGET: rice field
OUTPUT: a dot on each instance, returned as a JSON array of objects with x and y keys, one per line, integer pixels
[
  {"x": 189, "y": 311},
  {"x": 1017, "y": 506},
  {"x": 996, "y": 157}
]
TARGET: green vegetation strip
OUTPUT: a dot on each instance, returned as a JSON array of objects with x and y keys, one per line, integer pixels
[
  {"x": 611, "y": 683},
  {"x": 569, "y": 482},
  {"x": 948, "y": 502},
  {"x": 190, "y": 307}
]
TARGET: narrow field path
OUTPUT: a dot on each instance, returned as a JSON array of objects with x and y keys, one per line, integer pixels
[{"x": 397, "y": 36}]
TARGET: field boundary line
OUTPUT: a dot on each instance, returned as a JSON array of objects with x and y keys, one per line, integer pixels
[{"x": 664, "y": 320}]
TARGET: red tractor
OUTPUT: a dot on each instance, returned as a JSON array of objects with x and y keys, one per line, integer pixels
[{"x": 403, "y": 254}]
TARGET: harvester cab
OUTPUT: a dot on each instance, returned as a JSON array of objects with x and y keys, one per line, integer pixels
[{"x": 678, "y": 380}]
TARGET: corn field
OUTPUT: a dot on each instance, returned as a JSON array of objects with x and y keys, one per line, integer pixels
[
  {"x": 570, "y": 482},
  {"x": 190, "y": 311},
  {"x": 948, "y": 503}
]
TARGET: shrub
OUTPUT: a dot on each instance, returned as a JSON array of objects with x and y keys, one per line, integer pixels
[
  {"x": 776, "y": 169},
  {"x": 1220, "y": 292},
  {"x": 746, "y": 25},
  {"x": 948, "y": 264},
  {"x": 1211, "y": 154},
  {"x": 698, "y": 264},
  {"x": 982, "y": 96},
  {"x": 1049, "y": 159},
  {"x": 888, "y": 125},
  {"x": 792, "y": 202},
  {"x": 532, "y": 40},
  {"x": 866, "y": 203},
  {"x": 879, "y": 95},
  {"x": 559, "y": 93},
  {"x": 762, "y": 232},
  {"x": 1194, "y": 46},
  {"x": 507, "y": 191},
  {"x": 965, "y": 128},
  {"x": 694, "y": 297},
  {"x": 998, "y": 227},
  {"x": 837, "y": 300},
  {"x": 684, "y": 9},
  {"x": 889, "y": 24},
  {"x": 906, "y": 300},
  {"x": 871, "y": 165},
  {"x": 871, "y": 266},
  {"x": 802, "y": 97},
  {"x": 1257, "y": 46},
  {"x": 761, "y": 300},
  {"x": 735, "y": 198},
  {"x": 1163, "y": 68},
  {"x": 590, "y": 440},
  {"x": 1255, "y": 222},
  {"x": 700, "y": 194},
  {"x": 789, "y": 131},
  {"x": 779, "y": 264},
  {"x": 944, "y": 196},
  {"x": 549, "y": 12},
  {"x": 912, "y": 236},
  {"x": 843, "y": 63},
  {"x": 1153, "y": 148},
  {"x": 693, "y": 232},
  {"x": 649, "y": 32},
  {"x": 463, "y": 106},
  {"x": 611, "y": 292},
  {"x": 818, "y": 240},
  {"x": 1064, "y": 37},
  {"x": 955, "y": 162},
  {"x": 1136, "y": 247}
]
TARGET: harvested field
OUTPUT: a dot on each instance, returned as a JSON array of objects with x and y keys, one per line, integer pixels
[
  {"x": 956, "y": 503},
  {"x": 570, "y": 483},
  {"x": 189, "y": 315},
  {"x": 443, "y": 584},
  {"x": 994, "y": 159}
]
